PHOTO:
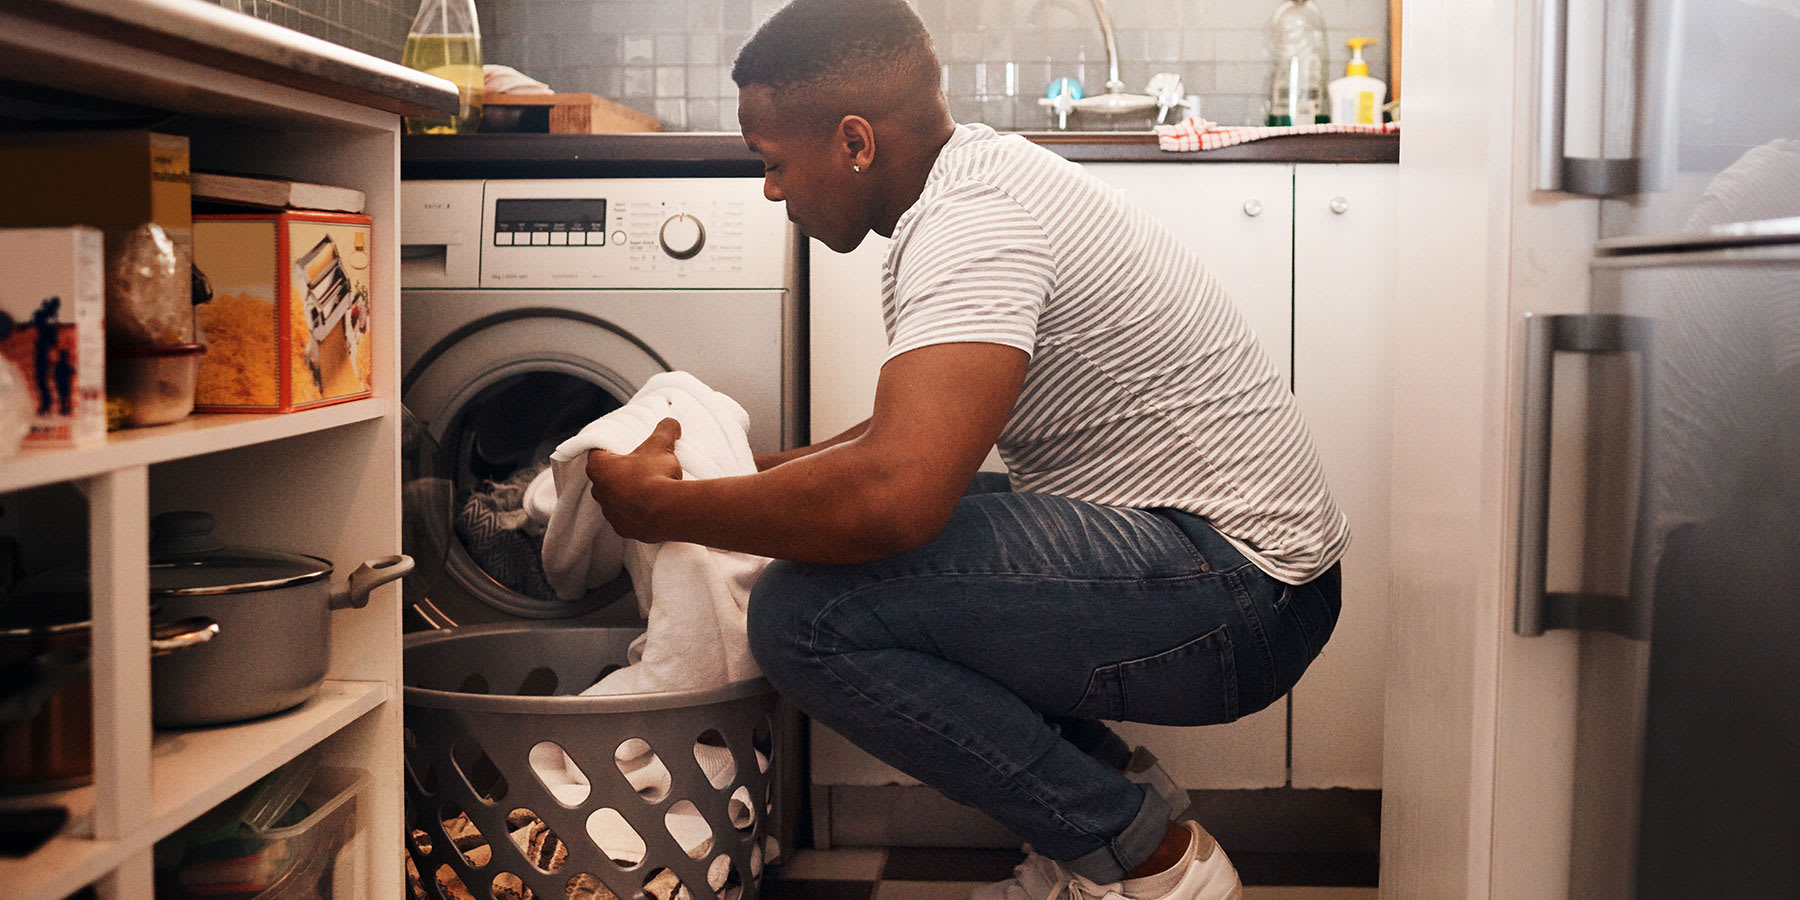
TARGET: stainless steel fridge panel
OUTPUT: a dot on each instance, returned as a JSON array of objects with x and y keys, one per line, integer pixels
[
  {"x": 1711, "y": 96},
  {"x": 1685, "y": 778}
]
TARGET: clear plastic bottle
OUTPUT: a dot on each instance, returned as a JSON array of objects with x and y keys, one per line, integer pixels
[
  {"x": 1298, "y": 56},
  {"x": 445, "y": 41}
]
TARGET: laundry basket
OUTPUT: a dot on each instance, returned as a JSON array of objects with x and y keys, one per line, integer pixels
[{"x": 517, "y": 789}]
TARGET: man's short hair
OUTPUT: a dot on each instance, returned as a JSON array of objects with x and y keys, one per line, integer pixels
[{"x": 809, "y": 45}]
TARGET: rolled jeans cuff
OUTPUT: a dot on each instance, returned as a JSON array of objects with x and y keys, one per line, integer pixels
[{"x": 1135, "y": 844}]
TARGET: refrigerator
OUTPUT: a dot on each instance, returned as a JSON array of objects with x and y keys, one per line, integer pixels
[{"x": 1659, "y": 491}]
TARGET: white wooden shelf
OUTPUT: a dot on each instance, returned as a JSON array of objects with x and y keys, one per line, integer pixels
[
  {"x": 193, "y": 436},
  {"x": 191, "y": 772}
]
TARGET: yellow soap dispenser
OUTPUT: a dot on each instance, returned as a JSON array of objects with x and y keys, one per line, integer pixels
[{"x": 1356, "y": 99}]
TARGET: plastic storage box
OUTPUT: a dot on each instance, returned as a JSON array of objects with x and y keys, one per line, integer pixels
[{"x": 294, "y": 860}]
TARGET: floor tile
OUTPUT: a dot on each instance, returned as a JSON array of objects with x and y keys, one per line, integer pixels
[
  {"x": 924, "y": 890},
  {"x": 1309, "y": 869},
  {"x": 845, "y": 864},
  {"x": 815, "y": 889},
  {"x": 1280, "y": 892},
  {"x": 949, "y": 864}
]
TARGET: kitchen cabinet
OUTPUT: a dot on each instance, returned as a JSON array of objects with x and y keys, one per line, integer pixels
[
  {"x": 1306, "y": 251},
  {"x": 251, "y": 97}
]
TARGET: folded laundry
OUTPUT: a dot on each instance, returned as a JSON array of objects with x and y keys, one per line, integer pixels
[{"x": 694, "y": 597}]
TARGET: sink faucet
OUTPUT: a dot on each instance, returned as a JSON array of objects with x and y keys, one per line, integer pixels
[{"x": 1113, "y": 84}]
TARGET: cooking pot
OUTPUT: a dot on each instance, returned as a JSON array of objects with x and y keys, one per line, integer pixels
[
  {"x": 46, "y": 699},
  {"x": 274, "y": 614}
]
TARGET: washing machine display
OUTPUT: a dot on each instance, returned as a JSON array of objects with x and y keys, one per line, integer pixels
[
  {"x": 709, "y": 233},
  {"x": 550, "y": 223},
  {"x": 501, "y": 370}
]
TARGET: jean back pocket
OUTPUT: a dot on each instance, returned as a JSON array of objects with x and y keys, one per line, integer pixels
[{"x": 1194, "y": 683}]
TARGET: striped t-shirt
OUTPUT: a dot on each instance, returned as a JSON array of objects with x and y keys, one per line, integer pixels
[{"x": 1145, "y": 386}]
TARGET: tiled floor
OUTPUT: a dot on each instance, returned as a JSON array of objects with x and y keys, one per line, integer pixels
[{"x": 904, "y": 873}]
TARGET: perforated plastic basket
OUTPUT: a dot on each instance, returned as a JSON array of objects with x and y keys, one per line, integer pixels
[{"x": 677, "y": 785}]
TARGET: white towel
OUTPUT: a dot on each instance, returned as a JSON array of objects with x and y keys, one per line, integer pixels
[{"x": 694, "y": 597}]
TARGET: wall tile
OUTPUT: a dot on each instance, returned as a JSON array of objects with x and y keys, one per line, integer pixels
[
  {"x": 999, "y": 55},
  {"x": 637, "y": 50}
]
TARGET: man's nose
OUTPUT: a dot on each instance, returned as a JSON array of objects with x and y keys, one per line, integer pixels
[{"x": 772, "y": 192}]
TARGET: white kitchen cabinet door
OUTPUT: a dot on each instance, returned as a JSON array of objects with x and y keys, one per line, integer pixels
[
  {"x": 845, "y": 331},
  {"x": 1239, "y": 218},
  {"x": 1344, "y": 273}
]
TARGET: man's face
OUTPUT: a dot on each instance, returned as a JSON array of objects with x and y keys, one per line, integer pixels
[{"x": 810, "y": 171}]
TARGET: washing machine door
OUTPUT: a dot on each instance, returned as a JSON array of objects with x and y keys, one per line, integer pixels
[{"x": 498, "y": 395}]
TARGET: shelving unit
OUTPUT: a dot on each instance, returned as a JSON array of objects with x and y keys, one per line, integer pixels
[{"x": 251, "y": 97}]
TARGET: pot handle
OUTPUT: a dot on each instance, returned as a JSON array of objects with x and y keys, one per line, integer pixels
[
  {"x": 182, "y": 634},
  {"x": 369, "y": 576}
]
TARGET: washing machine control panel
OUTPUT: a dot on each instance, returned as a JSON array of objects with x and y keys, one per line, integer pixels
[{"x": 633, "y": 233}]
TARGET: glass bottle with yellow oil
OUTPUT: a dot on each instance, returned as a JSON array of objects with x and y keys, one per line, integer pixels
[{"x": 445, "y": 41}]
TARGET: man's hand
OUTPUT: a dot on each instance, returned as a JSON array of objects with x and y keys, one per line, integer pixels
[{"x": 626, "y": 486}]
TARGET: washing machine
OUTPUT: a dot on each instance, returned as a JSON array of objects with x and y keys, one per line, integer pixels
[{"x": 530, "y": 308}]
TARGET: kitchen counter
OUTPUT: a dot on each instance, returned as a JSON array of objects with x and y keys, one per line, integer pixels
[
  {"x": 209, "y": 35},
  {"x": 678, "y": 154}
]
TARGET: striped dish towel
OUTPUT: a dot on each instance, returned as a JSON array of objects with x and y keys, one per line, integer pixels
[{"x": 1200, "y": 134}]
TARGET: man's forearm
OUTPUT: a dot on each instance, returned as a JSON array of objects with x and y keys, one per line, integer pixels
[
  {"x": 766, "y": 461},
  {"x": 828, "y": 506}
]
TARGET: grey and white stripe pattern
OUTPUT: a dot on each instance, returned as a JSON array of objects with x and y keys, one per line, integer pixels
[{"x": 1146, "y": 388}]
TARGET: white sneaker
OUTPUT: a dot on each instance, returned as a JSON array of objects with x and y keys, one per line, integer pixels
[
  {"x": 1206, "y": 873},
  {"x": 1037, "y": 878},
  {"x": 1144, "y": 769}
]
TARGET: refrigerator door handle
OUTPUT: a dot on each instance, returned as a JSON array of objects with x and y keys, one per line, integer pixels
[
  {"x": 1552, "y": 168},
  {"x": 1536, "y": 610}
]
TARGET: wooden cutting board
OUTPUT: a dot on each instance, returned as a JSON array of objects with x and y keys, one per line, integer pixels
[{"x": 574, "y": 113}]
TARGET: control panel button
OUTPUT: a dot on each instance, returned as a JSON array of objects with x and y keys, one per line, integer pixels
[
  {"x": 503, "y": 239},
  {"x": 682, "y": 236},
  {"x": 596, "y": 239}
]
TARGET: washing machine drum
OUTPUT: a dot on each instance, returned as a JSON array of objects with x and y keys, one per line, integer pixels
[{"x": 496, "y": 416}]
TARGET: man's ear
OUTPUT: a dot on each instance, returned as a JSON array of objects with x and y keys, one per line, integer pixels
[{"x": 857, "y": 137}]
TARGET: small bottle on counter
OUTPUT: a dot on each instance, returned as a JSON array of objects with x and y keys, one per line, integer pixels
[{"x": 1356, "y": 98}]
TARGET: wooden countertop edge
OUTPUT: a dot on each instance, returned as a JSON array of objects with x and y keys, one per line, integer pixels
[{"x": 577, "y": 155}]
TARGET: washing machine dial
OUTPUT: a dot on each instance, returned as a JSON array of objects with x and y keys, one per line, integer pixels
[{"x": 682, "y": 236}]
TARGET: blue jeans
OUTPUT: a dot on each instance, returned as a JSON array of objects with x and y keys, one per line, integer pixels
[{"x": 982, "y": 662}]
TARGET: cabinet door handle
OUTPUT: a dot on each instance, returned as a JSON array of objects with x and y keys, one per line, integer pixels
[
  {"x": 1253, "y": 208},
  {"x": 1340, "y": 205}
]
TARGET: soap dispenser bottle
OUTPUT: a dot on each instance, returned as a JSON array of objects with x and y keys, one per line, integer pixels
[
  {"x": 445, "y": 40},
  {"x": 1297, "y": 55},
  {"x": 1356, "y": 99}
]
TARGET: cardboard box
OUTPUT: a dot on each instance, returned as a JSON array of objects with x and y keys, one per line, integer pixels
[
  {"x": 54, "y": 306},
  {"x": 289, "y": 322},
  {"x": 120, "y": 182},
  {"x": 107, "y": 179}
]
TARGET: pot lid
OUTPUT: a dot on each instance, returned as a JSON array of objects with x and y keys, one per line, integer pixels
[{"x": 187, "y": 560}]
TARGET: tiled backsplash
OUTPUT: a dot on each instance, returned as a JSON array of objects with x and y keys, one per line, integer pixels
[
  {"x": 376, "y": 27},
  {"x": 672, "y": 58}
]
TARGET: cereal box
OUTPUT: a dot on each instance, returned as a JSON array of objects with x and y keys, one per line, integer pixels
[
  {"x": 52, "y": 320},
  {"x": 288, "y": 324}
]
